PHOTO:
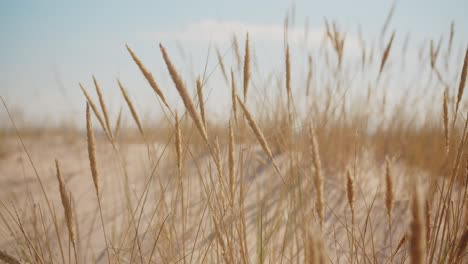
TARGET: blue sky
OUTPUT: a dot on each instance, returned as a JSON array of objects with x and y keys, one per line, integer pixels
[{"x": 50, "y": 44}]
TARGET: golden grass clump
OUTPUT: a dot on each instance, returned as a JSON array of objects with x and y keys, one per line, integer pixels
[
  {"x": 216, "y": 200},
  {"x": 180, "y": 86}
]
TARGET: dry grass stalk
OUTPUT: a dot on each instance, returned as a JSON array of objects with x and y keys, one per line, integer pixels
[
  {"x": 417, "y": 239},
  {"x": 131, "y": 108},
  {"x": 450, "y": 43},
  {"x": 350, "y": 193},
  {"x": 95, "y": 110},
  {"x": 318, "y": 179},
  {"x": 180, "y": 86},
  {"x": 235, "y": 46},
  {"x": 8, "y": 259},
  {"x": 316, "y": 251},
  {"x": 309, "y": 75},
  {"x": 103, "y": 106},
  {"x": 178, "y": 147},
  {"x": 434, "y": 53},
  {"x": 219, "y": 238},
  {"x": 148, "y": 76},
  {"x": 217, "y": 156},
  {"x": 388, "y": 189},
  {"x": 66, "y": 203},
  {"x": 446, "y": 123},
  {"x": 118, "y": 124},
  {"x": 399, "y": 245},
  {"x": 231, "y": 162},
  {"x": 233, "y": 96},
  {"x": 92, "y": 150},
  {"x": 461, "y": 247},
  {"x": 258, "y": 133},
  {"x": 201, "y": 101},
  {"x": 219, "y": 167},
  {"x": 221, "y": 65},
  {"x": 94, "y": 170},
  {"x": 461, "y": 86},
  {"x": 427, "y": 219},
  {"x": 178, "y": 143},
  {"x": 350, "y": 189},
  {"x": 246, "y": 67},
  {"x": 337, "y": 39},
  {"x": 388, "y": 19},
  {"x": 386, "y": 53},
  {"x": 288, "y": 73}
]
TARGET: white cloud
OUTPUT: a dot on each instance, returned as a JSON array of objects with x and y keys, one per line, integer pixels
[{"x": 220, "y": 32}]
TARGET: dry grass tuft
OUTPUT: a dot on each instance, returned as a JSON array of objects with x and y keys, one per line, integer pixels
[{"x": 212, "y": 198}]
